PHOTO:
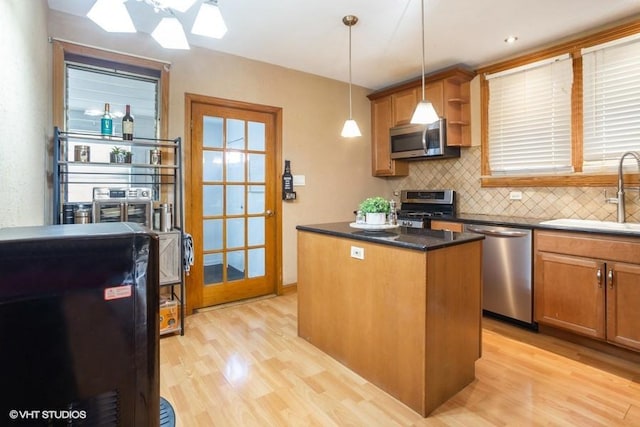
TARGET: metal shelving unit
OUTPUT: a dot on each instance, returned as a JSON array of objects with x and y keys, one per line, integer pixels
[{"x": 73, "y": 181}]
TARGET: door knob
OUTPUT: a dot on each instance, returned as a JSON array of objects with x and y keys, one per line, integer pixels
[{"x": 268, "y": 212}]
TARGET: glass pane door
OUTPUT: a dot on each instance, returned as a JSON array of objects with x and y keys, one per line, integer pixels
[{"x": 237, "y": 224}]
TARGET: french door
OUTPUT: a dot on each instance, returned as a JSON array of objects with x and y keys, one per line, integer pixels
[{"x": 232, "y": 208}]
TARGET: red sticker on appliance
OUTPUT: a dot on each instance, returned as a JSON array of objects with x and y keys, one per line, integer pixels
[{"x": 117, "y": 292}]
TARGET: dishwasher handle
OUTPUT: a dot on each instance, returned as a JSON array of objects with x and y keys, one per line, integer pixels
[{"x": 497, "y": 233}]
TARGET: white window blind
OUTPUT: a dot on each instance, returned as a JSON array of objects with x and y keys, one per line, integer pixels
[
  {"x": 530, "y": 118},
  {"x": 611, "y": 103},
  {"x": 88, "y": 88}
]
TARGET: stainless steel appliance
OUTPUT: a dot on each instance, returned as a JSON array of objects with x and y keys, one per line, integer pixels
[
  {"x": 507, "y": 272},
  {"x": 421, "y": 142},
  {"x": 130, "y": 204},
  {"x": 418, "y": 207}
]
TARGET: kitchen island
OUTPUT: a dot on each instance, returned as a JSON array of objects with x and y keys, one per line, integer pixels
[{"x": 401, "y": 308}]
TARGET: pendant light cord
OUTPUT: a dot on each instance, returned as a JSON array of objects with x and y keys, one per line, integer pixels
[
  {"x": 350, "y": 114},
  {"x": 422, "y": 14}
]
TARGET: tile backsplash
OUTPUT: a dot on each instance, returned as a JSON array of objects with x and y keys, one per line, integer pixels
[{"x": 463, "y": 175}]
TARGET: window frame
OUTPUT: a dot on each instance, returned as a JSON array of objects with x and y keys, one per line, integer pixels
[
  {"x": 62, "y": 49},
  {"x": 578, "y": 178}
]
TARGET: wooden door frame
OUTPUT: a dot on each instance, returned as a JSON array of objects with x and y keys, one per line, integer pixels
[{"x": 276, "y": 112}]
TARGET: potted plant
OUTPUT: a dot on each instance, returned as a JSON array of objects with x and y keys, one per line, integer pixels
[
  {"x": 120, "y": 155},
  {"x": 375, "y": 210}
]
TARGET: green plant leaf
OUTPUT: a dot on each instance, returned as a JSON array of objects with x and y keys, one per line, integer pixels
[{"x": 374, "y": 205}]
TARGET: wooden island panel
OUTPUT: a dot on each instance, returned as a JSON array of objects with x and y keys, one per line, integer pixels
[{"x": 406, "y": 320}]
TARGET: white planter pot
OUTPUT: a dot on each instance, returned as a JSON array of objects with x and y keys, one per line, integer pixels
[{"x": 376, "y": 218}]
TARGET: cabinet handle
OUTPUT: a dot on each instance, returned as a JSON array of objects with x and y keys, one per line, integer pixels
[
  {"x": 610, "y": 277},
  {"x": 599, "y": 277}
]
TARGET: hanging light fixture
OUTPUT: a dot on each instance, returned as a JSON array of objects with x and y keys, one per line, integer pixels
[
  {"x": 350, "y": 128},
  {"x": 170, "y": 35},
  {"x": 112, "y": 16},
  {"x": 424, "y": 112},
  {"x": 209, "y": 22}
]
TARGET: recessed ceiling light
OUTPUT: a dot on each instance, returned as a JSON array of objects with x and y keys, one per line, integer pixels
[{"x": 511, "y": 39}]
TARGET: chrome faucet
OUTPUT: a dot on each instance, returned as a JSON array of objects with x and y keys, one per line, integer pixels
[{"x": 620, "y": 199}]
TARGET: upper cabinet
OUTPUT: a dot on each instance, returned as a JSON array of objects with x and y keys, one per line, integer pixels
[
  {"x": 448, "y": 91},
  {"x": 381, "y": 120}
]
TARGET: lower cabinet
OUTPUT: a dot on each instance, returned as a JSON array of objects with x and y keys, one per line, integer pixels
[
  {"x": 589, "y": 285},
  {"x": 170, "y": 257},
  {"x": 171, "y": 292}
]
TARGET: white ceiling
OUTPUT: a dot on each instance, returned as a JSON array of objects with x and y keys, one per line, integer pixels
[{"x": 308, "y": 35}]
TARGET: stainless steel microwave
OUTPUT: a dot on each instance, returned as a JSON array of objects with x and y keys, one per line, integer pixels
[{"x": 421, "y": 142}]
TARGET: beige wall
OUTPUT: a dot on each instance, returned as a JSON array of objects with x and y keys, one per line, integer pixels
[
  {"x": 24, "y": 112},
  {"x": 337, "y": 170}
]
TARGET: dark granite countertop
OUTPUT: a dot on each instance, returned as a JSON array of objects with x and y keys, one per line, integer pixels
[
  {"x": 531, "y": 223},
  {"x": 408, "y": 238}
]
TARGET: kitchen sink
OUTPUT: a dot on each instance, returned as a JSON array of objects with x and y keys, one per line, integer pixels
[{"x": 589, "y": 224}]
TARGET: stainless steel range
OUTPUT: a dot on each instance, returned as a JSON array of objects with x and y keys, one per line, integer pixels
[{"x": 419, "y": 207}]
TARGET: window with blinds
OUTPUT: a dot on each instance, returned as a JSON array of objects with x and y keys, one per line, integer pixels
[
  {"x": 89, "y": 84},
  {"x": 530, "y": 118},
  {"x": 611, "y": 103},
  {"x": 88, "y": 88}
]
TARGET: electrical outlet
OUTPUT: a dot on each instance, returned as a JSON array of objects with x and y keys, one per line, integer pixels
[
  {"x": 515, "y": 195},
  {"x": 357, "y": 252}
]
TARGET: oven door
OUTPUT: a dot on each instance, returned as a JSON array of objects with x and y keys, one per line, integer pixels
[
  {"x": 140, "y": 212},
  {"x": 108, "y": 211}
]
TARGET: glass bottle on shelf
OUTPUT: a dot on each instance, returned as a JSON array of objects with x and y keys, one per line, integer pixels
[
  {"x": 106, "y": 123},
  {"x": 127, "y": 124}
]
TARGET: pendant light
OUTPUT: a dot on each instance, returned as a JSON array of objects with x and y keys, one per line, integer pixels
[
  {"x": 350, "y": 128},
  {"x": 112, "y": 16},
  {"x": 424, "y": 112},
  {"x": 209, "y": 21}
]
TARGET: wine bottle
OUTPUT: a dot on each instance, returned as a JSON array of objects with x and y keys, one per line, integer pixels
[
  {"x": 106, "y": 123},
  {"x": 127, "y": 124},
  {"x": 287, "y": 178}
]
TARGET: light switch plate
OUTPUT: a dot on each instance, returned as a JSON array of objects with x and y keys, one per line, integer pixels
[{"x": 299, "y": 180}]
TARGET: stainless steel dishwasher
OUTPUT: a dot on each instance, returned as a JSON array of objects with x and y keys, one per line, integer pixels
[{"x": 507, "y": 272}]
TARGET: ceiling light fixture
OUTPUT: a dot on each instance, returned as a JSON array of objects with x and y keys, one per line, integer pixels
[
  {"x": 424, "y": 112},
  {"x": 112, "y": 16},
  {"x": 209, "y": 21},
  {"x": 350, "y": 128},
  {"x": 170, "y": 35},
  {"x": 180, "y": 5},
  {"x": 511, "y": 39}
]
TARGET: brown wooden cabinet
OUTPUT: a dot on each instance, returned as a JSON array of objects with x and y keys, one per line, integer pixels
[
  {"x": 407, "y": 320},
  {"x": 589, "y": 285},
  {"x": 403, "y": 104},
  {"x": 381, "y": 121},
  {"x": 448, "y": 91}
]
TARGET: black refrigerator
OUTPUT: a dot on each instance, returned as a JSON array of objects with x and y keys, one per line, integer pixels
[{"x": 79, "y": 325}]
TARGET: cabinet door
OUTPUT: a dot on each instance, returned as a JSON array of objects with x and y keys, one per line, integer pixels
[
  {"x": 623, "y": 304},
  {"x": 403, "y": 104},
  {"x": 381, "y": 163},
  {"x": 434, "y": 92},
  {"x": 570, "y": 293},
  {"x": 169, "y": 257}
]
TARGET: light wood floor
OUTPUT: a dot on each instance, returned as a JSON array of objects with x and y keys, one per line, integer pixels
[{"x": 245, "y": 366}]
